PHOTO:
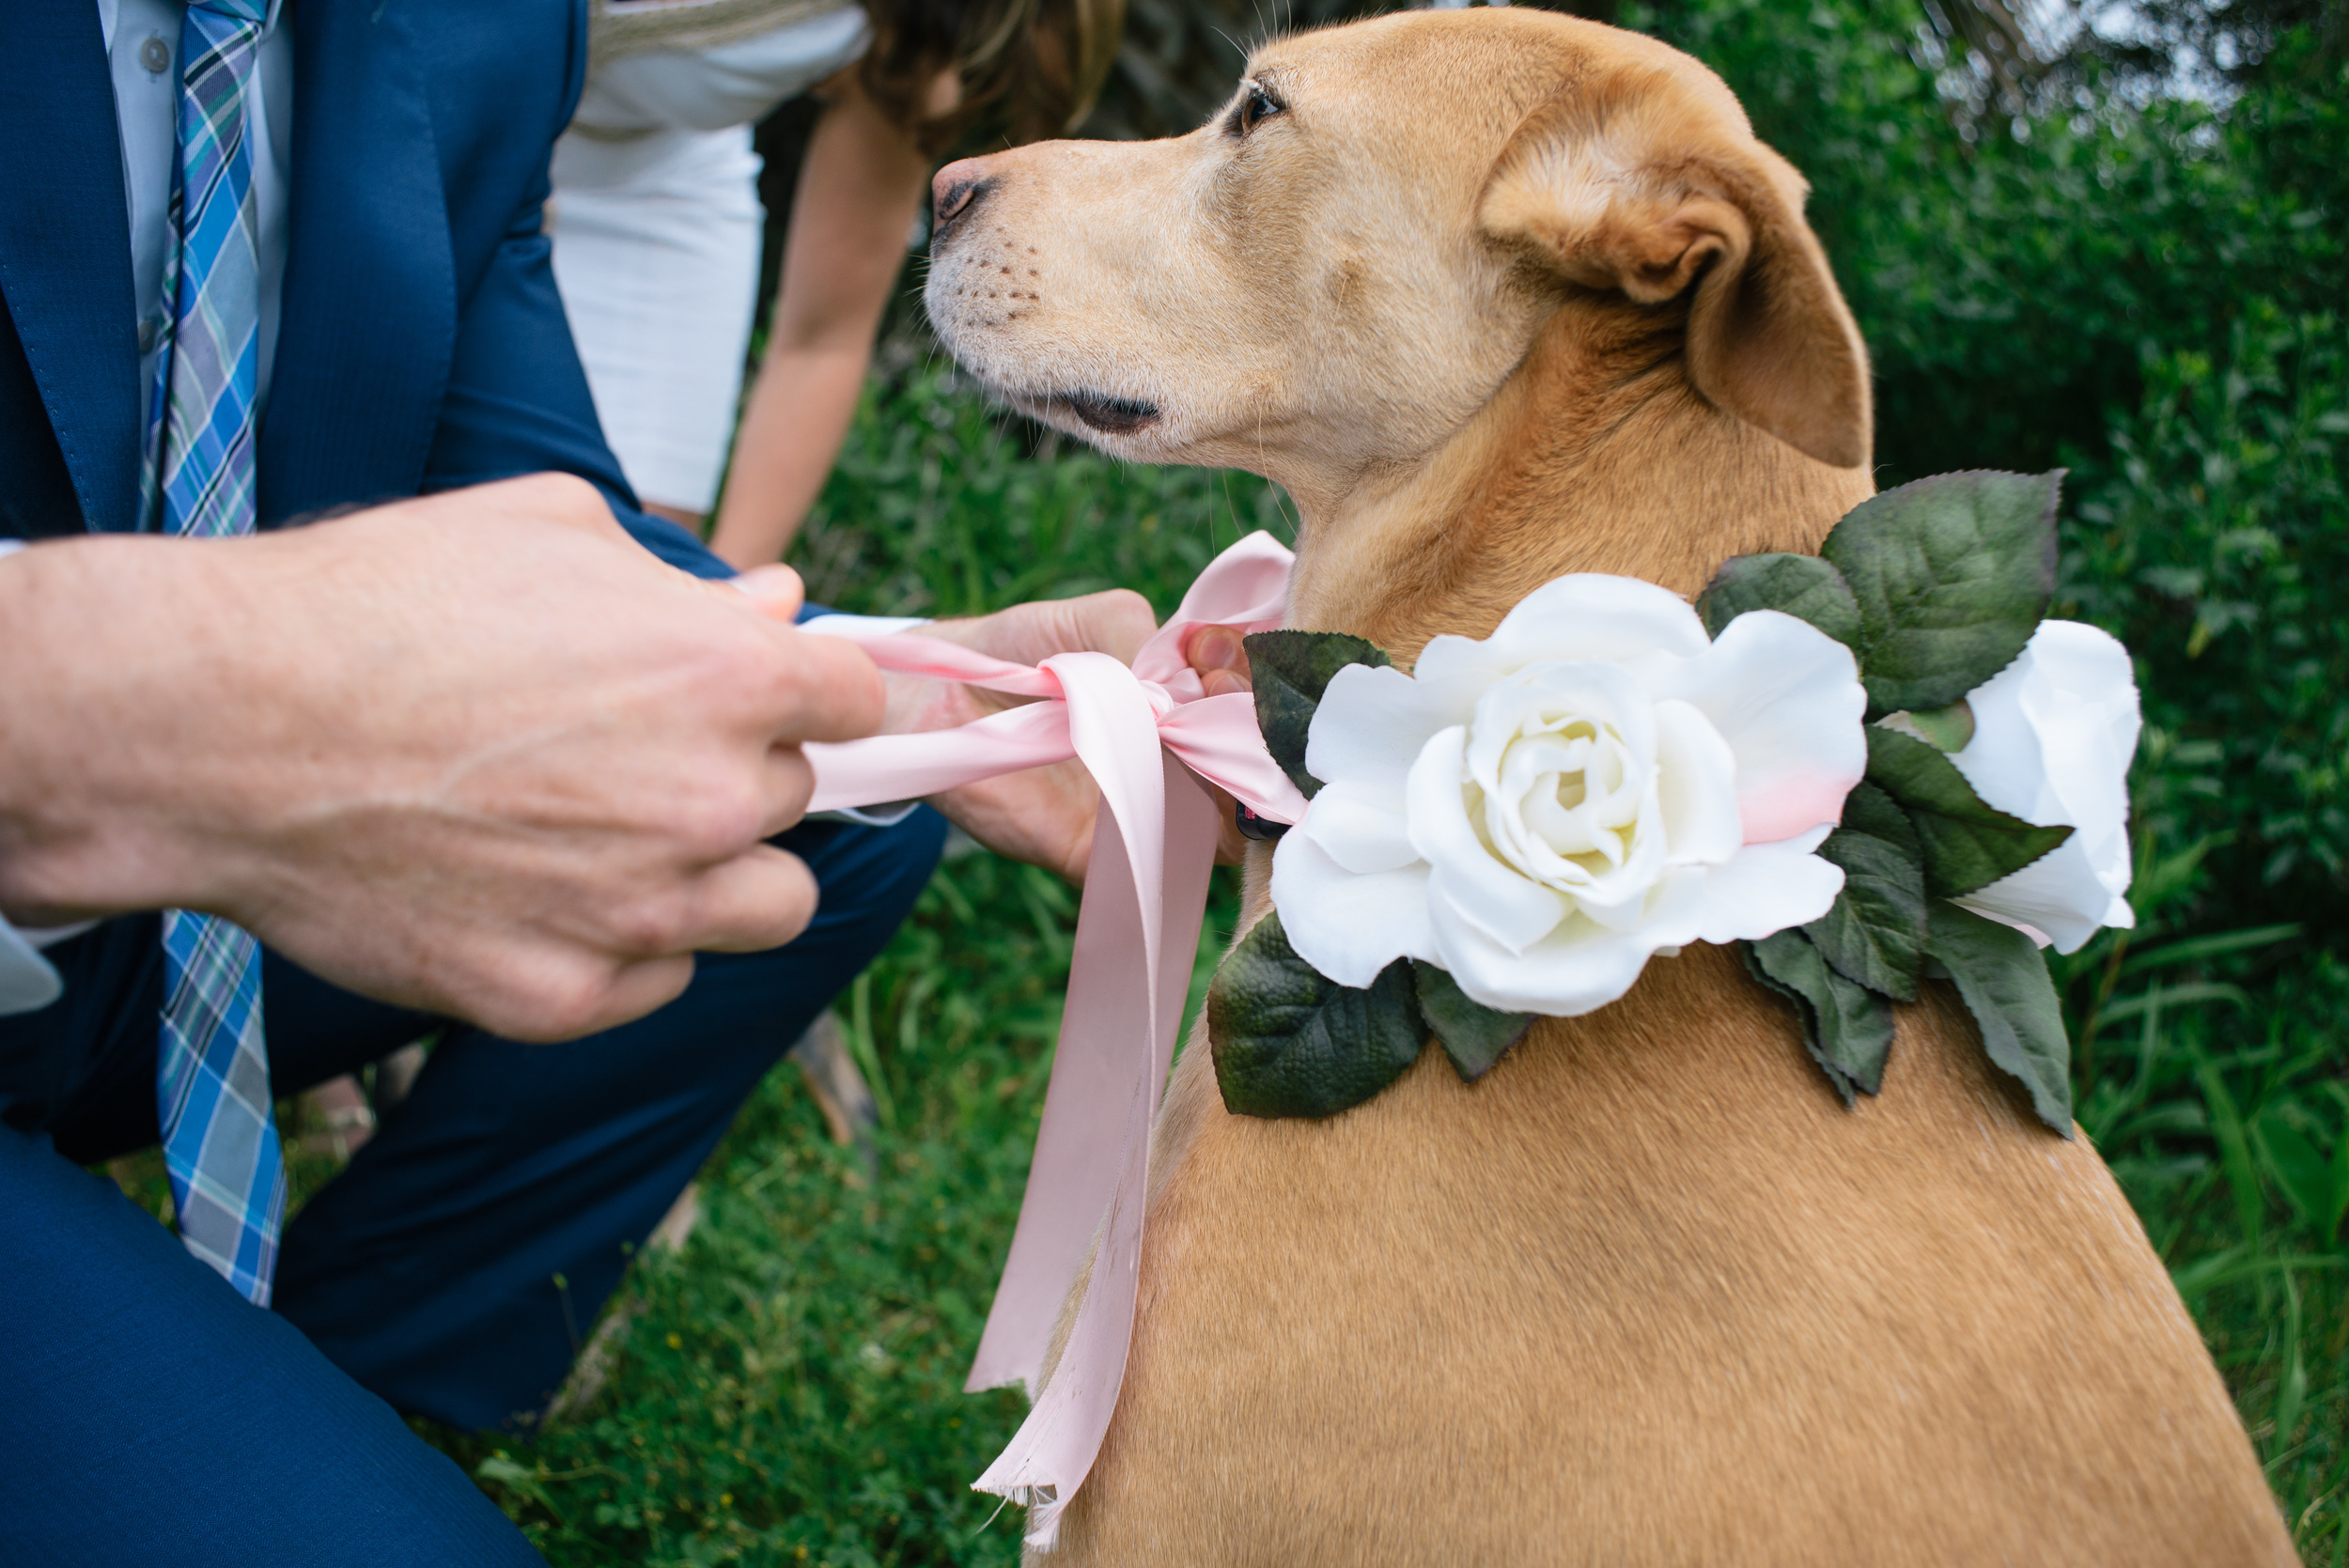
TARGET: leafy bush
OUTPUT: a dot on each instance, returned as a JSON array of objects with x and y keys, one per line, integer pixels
[{"x": 2214, "y": 537}]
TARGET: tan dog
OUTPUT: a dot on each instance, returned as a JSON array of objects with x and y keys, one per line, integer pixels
[{"x": 1498, "y": 295}]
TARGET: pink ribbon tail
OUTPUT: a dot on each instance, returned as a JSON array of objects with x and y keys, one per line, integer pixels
[{"x": 1152, "y": 740}]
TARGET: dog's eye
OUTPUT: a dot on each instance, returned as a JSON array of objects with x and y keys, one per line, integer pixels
[{"x": 1256, "y": 104}]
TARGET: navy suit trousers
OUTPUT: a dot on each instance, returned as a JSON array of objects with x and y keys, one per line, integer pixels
[{"x": 450, "y": 1271}]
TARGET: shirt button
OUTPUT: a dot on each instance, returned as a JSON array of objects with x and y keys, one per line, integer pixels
[
  {"x": 146, "y": 335},
  {"x": 155, "y": 54}
]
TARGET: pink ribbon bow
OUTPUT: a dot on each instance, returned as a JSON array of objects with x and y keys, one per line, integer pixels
[{"x": 1152, "y": 740}]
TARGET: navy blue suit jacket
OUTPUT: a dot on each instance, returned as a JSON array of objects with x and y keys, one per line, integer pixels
[{"x": 420, "y": 346}]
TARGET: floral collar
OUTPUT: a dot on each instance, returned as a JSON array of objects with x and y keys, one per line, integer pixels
[{"x": 1868, "y": 767}]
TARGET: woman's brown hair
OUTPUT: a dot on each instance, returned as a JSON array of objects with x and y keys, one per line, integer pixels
[{"x": 1028, "y": 68}]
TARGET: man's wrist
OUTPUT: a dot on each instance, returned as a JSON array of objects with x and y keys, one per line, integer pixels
[
  {"x": 104, "y": 639},
  {"x": 27, "y": 979}
]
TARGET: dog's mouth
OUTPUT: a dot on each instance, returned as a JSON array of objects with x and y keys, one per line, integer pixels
[{"x": 1112, "y": 416}]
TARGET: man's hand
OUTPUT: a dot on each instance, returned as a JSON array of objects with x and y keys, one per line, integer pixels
[
  {"x": 1042, "y": 815},
  {"x": 478, "y": 753},
  {"x": 1221, "y": 658}
]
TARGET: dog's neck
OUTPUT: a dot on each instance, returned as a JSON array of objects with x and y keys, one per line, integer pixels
[{"x": 1597, "y": 455}]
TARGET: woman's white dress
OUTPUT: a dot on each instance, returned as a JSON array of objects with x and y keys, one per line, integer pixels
[{"x": 656, "y": 222}]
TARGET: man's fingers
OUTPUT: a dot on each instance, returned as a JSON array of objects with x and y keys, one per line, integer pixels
[
  {"x": 637, "y": 989},
  {"x": 1116, "y": 622},
  {"x": 642, "y": 957},
  {"x": 1220, "y": 658},
  {"x": 776, "y": 590},
  {"x": 830, "y": 691},
  {"x": 543, "y": 996},
  {"x": 760, "y": 899},
  {"x": 787, "y": 781}
]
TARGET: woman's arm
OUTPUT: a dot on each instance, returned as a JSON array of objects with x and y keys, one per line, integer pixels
[{"x": 860, "y": 191}]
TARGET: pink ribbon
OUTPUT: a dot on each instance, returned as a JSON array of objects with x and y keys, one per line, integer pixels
[{"x": 1152, "y": 740}]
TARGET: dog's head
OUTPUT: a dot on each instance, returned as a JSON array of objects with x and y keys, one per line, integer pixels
[{"x": 1335, "y": 274}]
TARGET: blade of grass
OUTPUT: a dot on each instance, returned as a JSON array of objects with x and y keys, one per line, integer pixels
[
  {"x": 867, "y": 1055},
  {"x": 2291, "y": 1389},
  {"x": 2234, "y": 1148},
  {"x": 2195, "y": 949},
  {"x": 2177, "y": 996}
]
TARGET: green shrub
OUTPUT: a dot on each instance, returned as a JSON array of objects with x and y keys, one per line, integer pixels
[{"x": 2213, "y": 535}]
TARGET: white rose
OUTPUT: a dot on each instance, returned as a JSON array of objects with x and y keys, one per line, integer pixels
[
  {"x": 1541, "y": 812},
  {"x": 2053, "y": 734}
]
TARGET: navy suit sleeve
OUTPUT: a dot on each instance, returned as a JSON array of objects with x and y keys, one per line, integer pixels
[{"x": 518, "y": 401}]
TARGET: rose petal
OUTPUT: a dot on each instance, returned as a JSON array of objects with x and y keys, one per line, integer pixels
[
  {"x": 1510, "y": 910},
  {"x": 1372, "y": 724},
  {"x": 1349, "y": 927},
  {"x": 1359, "y": 827},
  {"x": 1787, "y": 699},
  {"x": 1456, "y": 671},
  {"x": 2062, "y": 897},
  {"x": 1696, "y": 776},
  {"x": 1505, "y": 750},
  {"x": 2053, "y": 735},
  {"x": 1769, "y": 887},
  {"x": 1579, "y": 967},
  {"x": 1590, "y": 615}
]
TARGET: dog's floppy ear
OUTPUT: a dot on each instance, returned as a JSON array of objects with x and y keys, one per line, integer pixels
[{"x": 1615, "y": 190}]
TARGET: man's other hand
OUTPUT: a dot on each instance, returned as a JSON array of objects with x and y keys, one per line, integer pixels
[
  {"x": 1220, "y": 657},
  {"x": 478, "y": 753},
  {"x": 1042, "y": 815}
]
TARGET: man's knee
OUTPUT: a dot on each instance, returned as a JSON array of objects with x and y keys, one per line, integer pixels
[{"x": 128, "y": 1360}]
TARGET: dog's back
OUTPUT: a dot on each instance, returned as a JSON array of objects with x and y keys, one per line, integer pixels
[{"x": 1648, "y": 1294}]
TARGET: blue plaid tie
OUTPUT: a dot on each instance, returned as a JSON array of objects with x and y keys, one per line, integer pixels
[{"x": 220, "y": 1142}]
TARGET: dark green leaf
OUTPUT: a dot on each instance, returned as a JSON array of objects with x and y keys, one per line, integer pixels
[
  {"x": 1952, "y": 574},
  {"x": 1946, "y": 729},
  {"x": 1471, "y": 1034},
  {"x": 1291, "y": 670},
  {"x": 1803, "y": 586},
  {"x": 2004, "y": 981},
  {"x": 1846, "y": 1027},
  {"x": 1875, "y": 933},
  {"x": 2308, "y": 1181},
  {"x": 1289, "y": 1041},
  {"x": 1967, "y": 845}
]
